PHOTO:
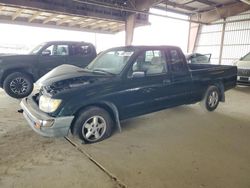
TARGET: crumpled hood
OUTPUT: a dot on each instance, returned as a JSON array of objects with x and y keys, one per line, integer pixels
[
  {"x": 66, "y": 77},
  {"x": 243, "y": 64}
]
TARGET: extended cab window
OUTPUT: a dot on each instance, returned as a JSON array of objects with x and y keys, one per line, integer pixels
[
  {"x": 176, "y": 60},
  {"x": 81, "y": 50},
  {"x": 59, "y": 50},
  {"x": 152, "y": 62}
]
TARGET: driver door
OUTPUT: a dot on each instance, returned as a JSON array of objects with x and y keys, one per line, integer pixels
[
  {"x": 51, "y": 57},
  {"x": 148, "y": 84}
]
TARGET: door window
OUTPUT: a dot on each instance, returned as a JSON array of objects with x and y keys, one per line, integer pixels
[
  {"x": 151, "y": 62},
  {"x": 62, "y": 50},
  {"x": 58, "y": 50},
  {"x": 81, "y": 50}
]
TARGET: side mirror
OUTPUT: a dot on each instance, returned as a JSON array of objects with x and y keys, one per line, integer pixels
[
  {"x": 46, "y": 53},
  {"x": 138, "y": 74}
]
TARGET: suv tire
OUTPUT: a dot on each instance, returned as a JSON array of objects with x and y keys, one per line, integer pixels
[{"x": 18, "y": 85}]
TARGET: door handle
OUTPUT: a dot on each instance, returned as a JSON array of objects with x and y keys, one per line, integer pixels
[{"x": 167, "y": 81}]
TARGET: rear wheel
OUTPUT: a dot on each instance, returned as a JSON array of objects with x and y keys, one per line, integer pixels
[
  {"x": 93, "y": 125},
  {"x": 18, "y": 85},
  {"x": 211, "y": 99}
]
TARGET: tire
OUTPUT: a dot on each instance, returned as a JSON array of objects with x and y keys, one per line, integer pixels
[
  {"x": 18, "y": 85},
  {"x": 93, "y": 124},
  {"x": 211, "y": 99}
]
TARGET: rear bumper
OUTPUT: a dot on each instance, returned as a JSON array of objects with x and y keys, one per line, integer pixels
[{"x": 42, "y": 123}]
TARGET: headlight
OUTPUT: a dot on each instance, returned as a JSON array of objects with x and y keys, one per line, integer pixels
[{"x": 48, "y": 104}]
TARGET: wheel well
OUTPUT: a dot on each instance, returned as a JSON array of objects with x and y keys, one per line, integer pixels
[
  {"x": 8, "y": 72},
  {"x": 220, "y": 86},
  {"x": 100, "y": 105}
]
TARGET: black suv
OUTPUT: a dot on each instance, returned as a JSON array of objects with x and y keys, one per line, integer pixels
[{"x": 18, "y": 72}]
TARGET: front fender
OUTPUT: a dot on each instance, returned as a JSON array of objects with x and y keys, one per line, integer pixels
[{"x": 108, "y": 106}]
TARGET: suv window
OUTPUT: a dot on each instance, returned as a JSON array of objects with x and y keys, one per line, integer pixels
[
  {"x": 151, "y": 62},
  {"x": 60, "y": 50},
  {"x": 81, "y": 50},
  {"x": 176, "y": 61}
]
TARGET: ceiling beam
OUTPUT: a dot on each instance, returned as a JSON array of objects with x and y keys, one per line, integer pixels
[
  {"x": 16, "y": 14},
  {"x": 34, "y": 16},
  {"x": 220, "y": 13},
  {"x": 75, "y": 22},
  {"x": 173, "y": 4},
  {"x": 50, "y": 18},
  {"x": 210, "y": 3},
  {"x": 90, "y": 23},
  {"x": 70, "y": 7},
  {"x": 66, "y": 18}
]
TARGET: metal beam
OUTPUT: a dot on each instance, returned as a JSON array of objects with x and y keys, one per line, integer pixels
[
  {"x": 90, "y": 23},
  {"x": 34, "y": 16},
  {"x": 192, "y": 36},
  {"x": 67, "y": 7},
  {"x": 75, "y": 22},
  {"x": 66, "y": 18},
  {"x": 222, "y": 42},
  {"x": 38, "y": 23},
  {"x": 221, "y": 13},
  {"x": 16, "y": 14},
  {"x": 50, "y": 18},
  {"x": 129, "y": 28},
  {"x": 138, "y": 11},
  {"x": 206, "y": 2},
  {"x": 173, "y": 4}
]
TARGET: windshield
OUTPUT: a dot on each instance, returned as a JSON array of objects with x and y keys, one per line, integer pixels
[
  {"x": 37, "y": 49},
  {"x": 246, "y": 57},
  {"x": 111, "y": 62}
]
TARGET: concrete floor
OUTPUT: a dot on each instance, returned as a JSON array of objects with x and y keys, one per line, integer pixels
[{"x": 182, "y": 147}]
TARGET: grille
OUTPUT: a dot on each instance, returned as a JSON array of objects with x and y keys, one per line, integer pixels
[{"x": 243, "y": 72}]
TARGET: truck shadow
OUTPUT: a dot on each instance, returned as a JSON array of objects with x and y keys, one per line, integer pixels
[
  {"x": 182, "y": 116},
  {"x": 163, "y": 116}
]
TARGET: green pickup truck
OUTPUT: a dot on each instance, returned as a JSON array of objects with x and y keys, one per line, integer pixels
[
  {"x": 122, "y": 83},
  {"x": 19, "y": 72}
]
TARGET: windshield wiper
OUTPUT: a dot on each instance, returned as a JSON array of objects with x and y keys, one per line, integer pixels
[{"x": 102, "y": 71}]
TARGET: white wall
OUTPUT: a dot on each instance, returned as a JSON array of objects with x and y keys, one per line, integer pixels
[{"x": 236, "y": 39}]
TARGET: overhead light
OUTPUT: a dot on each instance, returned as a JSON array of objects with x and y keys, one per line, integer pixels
[{"x": 246, "y": 1}]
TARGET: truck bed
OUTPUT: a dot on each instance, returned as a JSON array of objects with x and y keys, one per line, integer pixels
[{"x": 207, "y": 72}]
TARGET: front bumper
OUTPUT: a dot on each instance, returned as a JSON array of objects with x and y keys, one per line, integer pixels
[
  {"x": 243, "y": 80},
  {"x": 1, "y": 78},
  {"x": 42, "y": 123}
]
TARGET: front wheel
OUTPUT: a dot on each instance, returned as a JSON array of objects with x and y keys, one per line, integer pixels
[
  {"x": 211, "y": 99},
  {"x": 93, "y": 125},
  {"x": 18, "y": 85}
]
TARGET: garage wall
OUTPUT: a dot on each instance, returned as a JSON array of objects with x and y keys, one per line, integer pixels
[
  {"x": 208, "y": 41},
  {"x": 236, "y": 39}
]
